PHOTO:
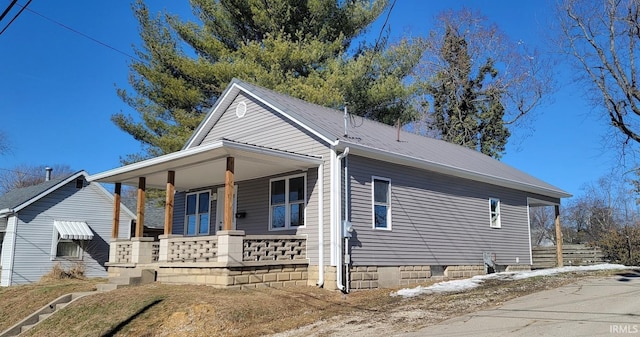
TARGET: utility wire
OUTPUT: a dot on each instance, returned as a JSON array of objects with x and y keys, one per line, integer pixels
[
  {"x": 6, "y": 11},
  {"x": 16, "y": 16},
  {"x": 81, "y": 34}
]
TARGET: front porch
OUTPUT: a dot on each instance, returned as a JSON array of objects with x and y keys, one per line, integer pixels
[
  {"x": 228, "y": 259},
  {"x": 206, "y": 247}
]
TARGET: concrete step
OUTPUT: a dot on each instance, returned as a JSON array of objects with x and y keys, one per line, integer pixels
[
  {"x": 42, "y": 317},
  {"x": 26, "y": 327},
  {"x": 110, "y": 286}
]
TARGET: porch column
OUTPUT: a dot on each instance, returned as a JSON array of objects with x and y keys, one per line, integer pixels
[
  {"x": 228, "y": 195},
  {"x": 142, "y": 185},
  {"x": 116, "y": 211},
  {"x": 168, "y": 208},
  {"x": 558, "y": 237}
]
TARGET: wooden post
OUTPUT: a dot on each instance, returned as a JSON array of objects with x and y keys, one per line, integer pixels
[
  {"x": 168, "y": 208},
  {"x": 228, "y": 195},
  {"x": 116, "y": 211},
  {"x": 560, "y": 262},
  {"x": 142, "y": 182}
]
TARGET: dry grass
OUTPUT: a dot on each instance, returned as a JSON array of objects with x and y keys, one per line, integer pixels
[
  {"x": 169, "y": 310},
  {"x": 18, "y": 302},
  {"x": 58, "y": 272}
]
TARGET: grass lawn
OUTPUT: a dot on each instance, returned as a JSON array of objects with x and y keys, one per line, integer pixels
[{"x": 186, "y": 310}]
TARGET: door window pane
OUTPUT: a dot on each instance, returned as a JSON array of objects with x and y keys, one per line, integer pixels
[
  {"x": 296, "y": 189},
  {"x": 203, "y": 203},
  {"x": 204, "y": 223},
  {"x": 277, "y": 192},
  {"x": 191, "y": 225},
  {"x": 191, "y": 204},
  {"x": 297, "y": 215},
  {"x": 278, "y": 216}
]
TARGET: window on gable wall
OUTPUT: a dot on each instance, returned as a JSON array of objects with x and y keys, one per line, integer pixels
[
  {"x": 381, "y": 203},
  {"x": 287, "y": 199},
  {"x": 494, "y": 209},
  {"x": 197, "y": 213}
]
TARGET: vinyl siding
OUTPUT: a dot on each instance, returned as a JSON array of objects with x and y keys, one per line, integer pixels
[
  {"x": 34, "y": 234},
  {"x": 261, "y": 126},
  {"x": 436, "y": 219}
]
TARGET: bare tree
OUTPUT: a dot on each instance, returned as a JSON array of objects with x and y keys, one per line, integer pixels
[
  {"x": 542, "y": 224},
  {"x": 25, "y": 175},
  {"x": 602, "y": 38},
  {"x": 4, "y": 143}
]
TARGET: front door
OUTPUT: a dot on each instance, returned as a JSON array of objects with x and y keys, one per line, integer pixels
[{"x": 220, "y": 208}]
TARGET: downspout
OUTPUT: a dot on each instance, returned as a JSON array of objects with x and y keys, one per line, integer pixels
[
  {"x": 321, "y": 226},
  {"x": 346, "y": 230},
  {"x": 339, "y": 226}
]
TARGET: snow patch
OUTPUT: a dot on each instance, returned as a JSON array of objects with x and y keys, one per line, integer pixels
[{"x": 470, "y": 283}]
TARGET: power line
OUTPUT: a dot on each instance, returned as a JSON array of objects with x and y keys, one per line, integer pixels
[
  {"x": 6, "y": 11},
  {"x": 81, "y": 33},
  {"x": 16, "y": 16}
]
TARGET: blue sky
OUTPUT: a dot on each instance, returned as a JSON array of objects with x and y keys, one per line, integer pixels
[{"x": 58, "y": 89}]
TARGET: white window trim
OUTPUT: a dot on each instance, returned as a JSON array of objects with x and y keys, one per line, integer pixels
[
  {"x": 287, "y": 220},
  {"x": 373, "y": 204},
  {"x": 54, "y": 248},
  {"x": 499, "y": 215},
  {"x": 186, "y": 222}
]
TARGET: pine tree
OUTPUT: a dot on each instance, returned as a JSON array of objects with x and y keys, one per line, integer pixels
[
  {"x": 299, "y": 47},
  {"x": 465, "y": 110}
]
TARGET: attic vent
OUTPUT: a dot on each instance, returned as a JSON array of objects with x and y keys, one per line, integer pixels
[{"x": 241, "y": 109}]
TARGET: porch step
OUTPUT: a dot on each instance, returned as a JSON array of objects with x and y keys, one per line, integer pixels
[{"x": 144, "y": 276}]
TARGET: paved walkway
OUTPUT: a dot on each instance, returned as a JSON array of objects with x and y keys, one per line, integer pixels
[{"x": 598, "y": 307}]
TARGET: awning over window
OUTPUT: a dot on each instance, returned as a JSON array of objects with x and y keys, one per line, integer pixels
[{"x": 73, "y": 230}]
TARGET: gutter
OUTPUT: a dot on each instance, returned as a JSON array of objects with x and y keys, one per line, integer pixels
[{"x": 6, "y": 212}]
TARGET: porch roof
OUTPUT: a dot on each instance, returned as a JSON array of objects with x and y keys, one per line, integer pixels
[{"x": 206, "y": 165}]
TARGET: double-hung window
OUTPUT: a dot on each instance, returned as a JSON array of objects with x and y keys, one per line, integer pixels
[
  {"x": 287, "y": 199},
  {"x": 494, "y": 211},
  {"x": 197, "y": 213},
  {"x": 381, "y": 195}
]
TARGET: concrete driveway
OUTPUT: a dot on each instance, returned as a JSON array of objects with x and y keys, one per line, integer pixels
[{"x": 597, "y": 307}]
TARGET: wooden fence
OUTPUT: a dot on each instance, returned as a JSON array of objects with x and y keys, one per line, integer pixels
[{"x": 572, "y": 255}]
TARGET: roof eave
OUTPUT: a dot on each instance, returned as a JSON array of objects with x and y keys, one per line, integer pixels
[{"x": 449, "y": 170}]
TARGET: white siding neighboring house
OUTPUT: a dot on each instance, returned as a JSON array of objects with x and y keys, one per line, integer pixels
[{"x": 64, "y": 221}]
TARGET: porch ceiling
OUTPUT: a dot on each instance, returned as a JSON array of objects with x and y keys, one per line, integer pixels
[{"x": 206, "y": 165}]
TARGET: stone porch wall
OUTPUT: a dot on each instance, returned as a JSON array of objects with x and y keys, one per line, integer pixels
[
  {"x": 123, "y": 252},
  {"x": 274, "y": 248},
  {"x": 247, "y": 277},
  {"x": 192, "y": 249}
]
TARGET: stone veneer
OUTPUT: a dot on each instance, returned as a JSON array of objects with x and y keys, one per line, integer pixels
[
  {"x": 246, "y": 277},
  {"x": 363, "y": 277},
  {"x": 463, "y": 271},
  {"x": 518, "y": 267},
  {"x": 414, "y": 274}
]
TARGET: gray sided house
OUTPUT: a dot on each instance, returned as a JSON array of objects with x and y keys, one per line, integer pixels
[
  {"x": 272, "y": 190},
  {"x": 66, "y": 221}
]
